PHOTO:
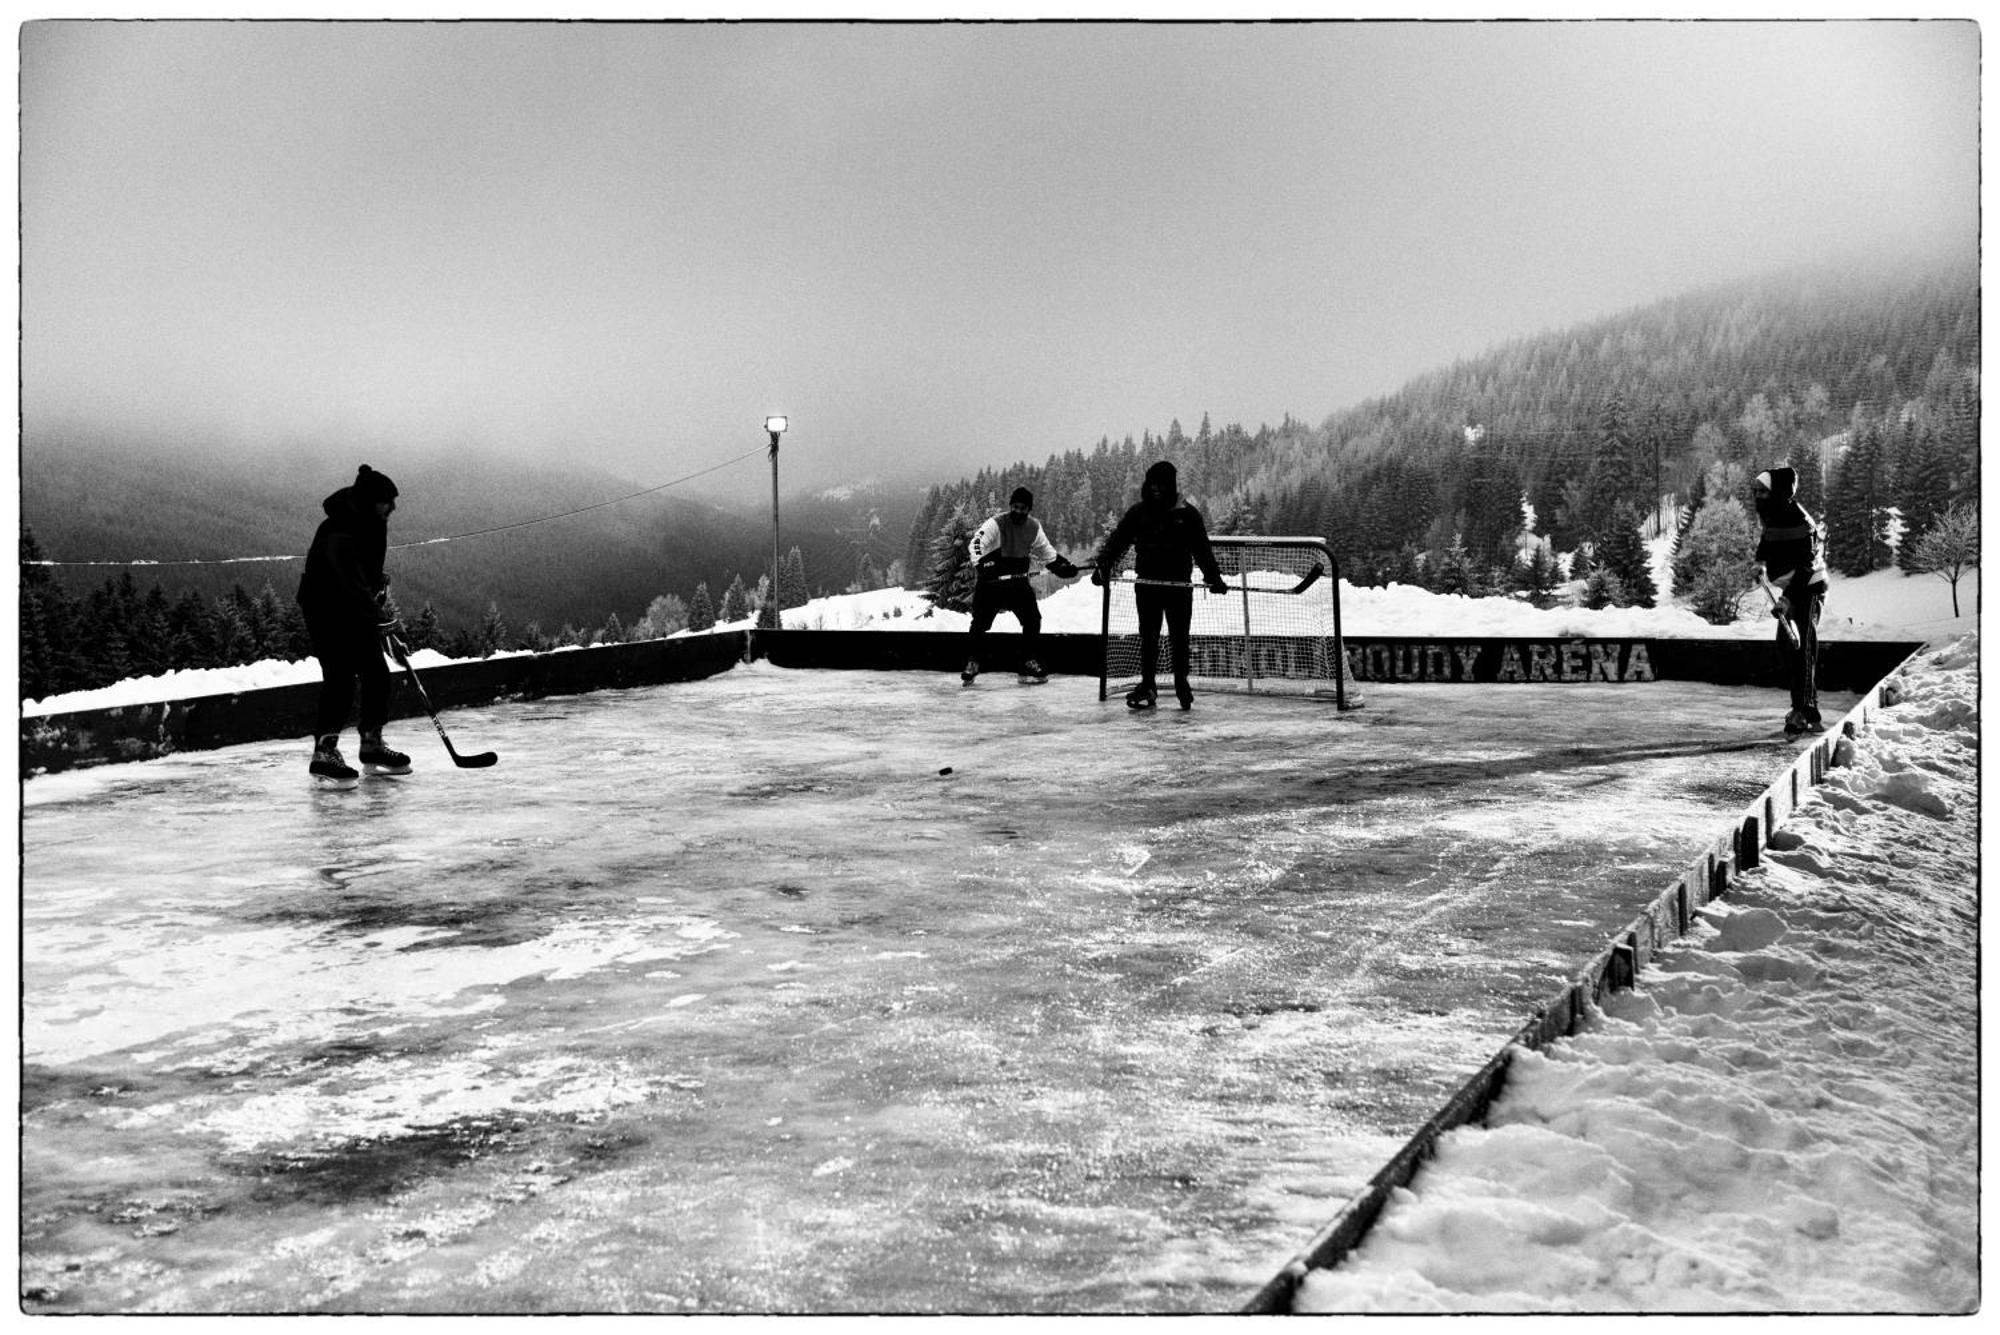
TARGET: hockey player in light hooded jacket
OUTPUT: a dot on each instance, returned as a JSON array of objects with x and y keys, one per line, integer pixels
[
  {"x": 1795, "y": 571},
  {"x": 1003, "y": 549}
]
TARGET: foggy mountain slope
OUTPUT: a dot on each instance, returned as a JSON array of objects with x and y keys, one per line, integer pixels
[
  {"x": 94, "y": 501},
  {"x": 87, "y": 498}
]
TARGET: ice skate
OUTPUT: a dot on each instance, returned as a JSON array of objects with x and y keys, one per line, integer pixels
[
  {"x": 328, "y": 768},
  {"x": 1143, "y": 697},
  {"x": 971, "y": 671},
  {"x": 379, "y": 759},
  {"x": 1033, "y": 673}
]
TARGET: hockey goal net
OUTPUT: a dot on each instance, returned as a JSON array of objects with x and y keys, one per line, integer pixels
[{"x": 1277, "y": 630}]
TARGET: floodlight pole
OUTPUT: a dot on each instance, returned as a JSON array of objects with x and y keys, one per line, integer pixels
[{"x": 776, "y": 426}]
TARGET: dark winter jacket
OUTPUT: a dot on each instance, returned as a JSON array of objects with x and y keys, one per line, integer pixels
[
  {"x": 1789, "y": 545},
  {"x": 343, "y": 580},
  {"x": 1165, "y": 533}
]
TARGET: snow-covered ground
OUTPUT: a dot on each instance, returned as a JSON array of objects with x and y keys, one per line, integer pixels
[
  {"x": 1884, "y": 605},
  {"x": 1785, "y": 1116}
]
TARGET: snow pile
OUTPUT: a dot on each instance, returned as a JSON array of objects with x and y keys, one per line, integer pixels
[
  {"x": 1783, "y": 1118},
  {"x": 192, "y": 683}
]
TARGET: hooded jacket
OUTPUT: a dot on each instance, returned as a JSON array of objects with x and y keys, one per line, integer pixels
[
  {"x": 1166, "y": 534},
  {"x": 1789, "y": 545},
  {"x": 343, "y": 579},
  {"x": 1002, "y": 547}
]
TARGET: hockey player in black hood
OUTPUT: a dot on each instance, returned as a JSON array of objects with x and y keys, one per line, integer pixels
[
  {"x": 1794, "y": 572},
  {"x": 344, "y": 595},
  {"x": 1168, "y": 540}
]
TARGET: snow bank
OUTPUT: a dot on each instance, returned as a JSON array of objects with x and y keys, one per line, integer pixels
[{"x": 1783, "y": 1118}]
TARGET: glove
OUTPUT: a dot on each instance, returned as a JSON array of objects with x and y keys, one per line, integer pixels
[
  {"x": 1218, "y": 586},
  {"x": 1098, "y": 576},
  {"x": 1063, "y": 568}
]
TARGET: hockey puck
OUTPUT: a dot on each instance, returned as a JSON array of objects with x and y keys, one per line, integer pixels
[{"x": 945, "y": 770}]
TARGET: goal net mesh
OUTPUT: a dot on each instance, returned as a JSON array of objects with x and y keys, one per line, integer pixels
[{"x": 1276, "y": 631}]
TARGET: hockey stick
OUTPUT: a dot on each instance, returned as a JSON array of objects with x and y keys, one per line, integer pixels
[
  {"x": 1030, "y": 574},
  {"x": 480, "y": 761},
  {"x": 1785, "y": 626},
  {"x": 1311, "y": 578}
]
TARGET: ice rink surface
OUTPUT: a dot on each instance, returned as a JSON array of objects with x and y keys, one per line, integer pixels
[{"x": 723, "y": 997}]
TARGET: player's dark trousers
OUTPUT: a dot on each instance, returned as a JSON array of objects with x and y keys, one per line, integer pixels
[
  {"x": 1176, "y": 607},
  {"x": 1802, "y": 666},
  {"x": 992, "y": 597},
  {"x": 347, "y": 655}
]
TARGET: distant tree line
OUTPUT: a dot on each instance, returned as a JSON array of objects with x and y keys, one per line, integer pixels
[
  {"x": 1548, "y": 464},
  {"x": 77, "y": 642}
]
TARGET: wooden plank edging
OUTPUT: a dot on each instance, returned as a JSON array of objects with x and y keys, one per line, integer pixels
[{"x": 1617, "y": 967}]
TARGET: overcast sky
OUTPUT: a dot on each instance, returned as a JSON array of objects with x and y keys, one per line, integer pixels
[{"x": 934, "y": 246}]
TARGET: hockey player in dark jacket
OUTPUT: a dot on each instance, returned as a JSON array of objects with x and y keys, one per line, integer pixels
[
  {"x": 1794, "y": 572},
  {"x": 344, "y": 596},
  {"x": 1168, "y": 540}
]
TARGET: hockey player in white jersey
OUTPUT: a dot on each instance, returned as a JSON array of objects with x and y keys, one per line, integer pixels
[{"x": 1003, "y": 551}]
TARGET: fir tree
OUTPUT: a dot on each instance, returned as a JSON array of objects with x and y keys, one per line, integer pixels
[
  {"x": 951, "y": 578},
  {"x": 1613, "y": 473},
  {"x": 193, "y": 633},
  {"x": 867, "y": 576},
  {"x": 1923, "y": 492},
  {"x": 152, "y": 638},
  {"x": 269, "y": 622},
  {"x": 295, "y": 638},
  {"x": 1602, "y": 588},
  {"x": 51, "y": 657},
  {"x": 613, "y": 630},
  {"x": 234, "y": 643},
  {"x": 735, "y": 603},
  {"x": 1622, "y": 550},
  {"x": 1458, "y": 572},
  {"x": 1697, "y": 495},
  {"x": 1492, "y": 499},
  {"x": 424, "y": 631},
  {"x": 701, "y": 609},
  {"x": 1811, "y": 493},
  {"x": 768, "y": 617},
  {"x": 491, "y": 635},
  {"x": 1856, "y": 540},
  {"x": 792, "y": 591},
  {"x": 1539, "y": 576}
]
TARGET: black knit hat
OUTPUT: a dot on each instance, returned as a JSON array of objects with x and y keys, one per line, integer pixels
[
  {"x": 1022, "y": 496},
  {"x": 372, "y": 486}
]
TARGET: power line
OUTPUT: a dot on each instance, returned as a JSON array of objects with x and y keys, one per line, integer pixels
[{"x": 427, "y": 542}]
